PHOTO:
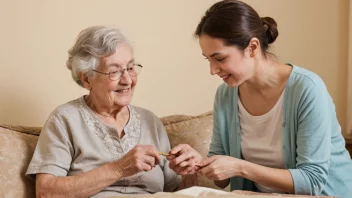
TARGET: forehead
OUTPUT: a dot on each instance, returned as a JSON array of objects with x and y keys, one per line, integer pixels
[
  {"x": 211, "y": 45},
  {"x": 122, "y": 55}
]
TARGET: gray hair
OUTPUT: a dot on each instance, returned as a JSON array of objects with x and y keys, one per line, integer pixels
[{"x": 91, "y": 45}]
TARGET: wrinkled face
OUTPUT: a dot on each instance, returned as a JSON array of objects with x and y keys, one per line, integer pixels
[
  {"x": 228, "y": 62},
  {"x": 114, "y": 92}
]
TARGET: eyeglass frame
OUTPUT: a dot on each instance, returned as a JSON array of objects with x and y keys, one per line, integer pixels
[{"x": 122, "y": 71}]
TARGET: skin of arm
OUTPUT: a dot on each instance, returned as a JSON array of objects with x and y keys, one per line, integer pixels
[
  {"x": 140, "y": 158},
  {"x": 220, "y": 167}
]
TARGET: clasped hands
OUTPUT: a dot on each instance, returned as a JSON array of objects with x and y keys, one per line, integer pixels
[{"x": 185, "y": 160}]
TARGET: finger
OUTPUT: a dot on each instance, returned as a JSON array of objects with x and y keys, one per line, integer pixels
[
  {"x": 184, "y": 171},
  {"x": 184, "y": 164},
  {"x": 177, "y": 149},
  {"x": 149, "y": 160},
  {"x": 151, "y": 151},
  {"x": 183, "y": 157},
  {"x": 190, "y": 164},
  {"x": 146, "y": 167},
  {"x": 207, "y": 161},
  {"x": 206, "y": 170},
  {"x": 171, "y": 157},
  {"x": 172, "y": 165},
  {"x": 178, "y": 170},
  {"x": 175, "y": 167},
  {"x": 191, "y": 170}
]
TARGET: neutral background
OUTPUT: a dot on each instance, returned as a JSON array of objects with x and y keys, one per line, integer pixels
[
  {"x": 349, "y": 110},
  {"x": 35, "y": 37}
]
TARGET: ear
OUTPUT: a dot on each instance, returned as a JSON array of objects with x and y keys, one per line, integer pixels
[
  {"x": 85, "y": 81},
  {"x": 253, "y": 47}
]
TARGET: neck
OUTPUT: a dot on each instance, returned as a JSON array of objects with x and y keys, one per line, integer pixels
[
  {"x": 107, "y": 110},
  {"x": 265, "y": 76}
]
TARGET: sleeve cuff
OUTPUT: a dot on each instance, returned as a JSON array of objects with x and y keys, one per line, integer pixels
[
  {"x": 49, "y": 169},
  {"x": 300, "y": 182}
]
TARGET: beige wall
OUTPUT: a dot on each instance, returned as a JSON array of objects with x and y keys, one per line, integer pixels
[
  {"x": 349, "y": 109},
  {"x": 36, "y": 35}
]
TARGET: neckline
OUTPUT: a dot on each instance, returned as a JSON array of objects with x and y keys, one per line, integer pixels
[
  {"x": 91, "y": 112},
  {"x": 289, "y": 81},
  {"x": 267, "y": 114}
]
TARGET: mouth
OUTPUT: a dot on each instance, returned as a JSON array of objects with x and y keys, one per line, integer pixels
[
  {"x": 225, "y": 76},
  {"x": 122, "y": 90}
]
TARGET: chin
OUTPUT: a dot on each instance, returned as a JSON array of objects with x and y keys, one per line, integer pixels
[
  {"x": 123, "y": 102},
  {"x": 233, "y": 84}
]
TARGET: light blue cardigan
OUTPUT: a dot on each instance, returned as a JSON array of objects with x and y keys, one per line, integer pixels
[{"x": 313, "y": 147}]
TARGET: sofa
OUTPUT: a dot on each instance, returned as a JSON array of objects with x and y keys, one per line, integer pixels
[{"x": 17, "y": 144}]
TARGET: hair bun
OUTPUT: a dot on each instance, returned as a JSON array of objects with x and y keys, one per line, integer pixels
[{"x": 270, "y": 28}]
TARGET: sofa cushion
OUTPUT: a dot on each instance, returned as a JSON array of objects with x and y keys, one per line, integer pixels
[
  {"x": 195, "y": 131},
  {"x": 16, "y": 151}
]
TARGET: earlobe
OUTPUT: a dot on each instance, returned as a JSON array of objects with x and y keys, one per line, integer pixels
[{"x": 251, "y": 50}]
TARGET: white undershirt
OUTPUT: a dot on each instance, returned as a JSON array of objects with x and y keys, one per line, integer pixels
[{"x": 261, "y": 138}]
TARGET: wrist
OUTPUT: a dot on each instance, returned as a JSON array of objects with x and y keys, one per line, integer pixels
[
  {"x": 242, "y": 168},
  {"x": 116, "y": 170}
]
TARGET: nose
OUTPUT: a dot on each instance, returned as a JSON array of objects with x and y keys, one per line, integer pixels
[
  {"x": 214, "y": 69},
  {"x": 126, "y": 78}
]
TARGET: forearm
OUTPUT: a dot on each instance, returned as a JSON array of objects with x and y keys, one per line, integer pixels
[
  {"x": 188, "y": 181},
  {"x": 222, "y": 183},
  {"x": 279, "y": 179},
  {"x": 82, "y": 185}
]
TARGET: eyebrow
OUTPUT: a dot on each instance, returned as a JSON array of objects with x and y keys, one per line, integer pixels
[
  {"x": 212, "y": 55},
  {"x": 117, "y": 65}
]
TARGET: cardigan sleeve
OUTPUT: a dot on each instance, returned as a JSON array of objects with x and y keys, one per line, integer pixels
[
  {"x": 217, "y": 145},
  {"x": 313, "y": 139}
]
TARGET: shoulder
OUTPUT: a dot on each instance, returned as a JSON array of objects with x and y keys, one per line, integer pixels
[
  {"x": 66, "y": 110},
  {"x": 304, "y": 79},
  {"x": 307, "y": 91}
]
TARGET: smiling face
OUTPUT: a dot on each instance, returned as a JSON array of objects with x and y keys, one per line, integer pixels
[
  {"x": 228, "y": 62},
  {"x": 114, "y": 93}
]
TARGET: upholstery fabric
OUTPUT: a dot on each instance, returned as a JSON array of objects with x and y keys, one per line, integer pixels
[
  {"x": 16, "y": 150},
  {"x": 195, "y": 131}
]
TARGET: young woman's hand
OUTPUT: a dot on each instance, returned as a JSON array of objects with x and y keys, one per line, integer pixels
[{"x": 220, "y": 167}]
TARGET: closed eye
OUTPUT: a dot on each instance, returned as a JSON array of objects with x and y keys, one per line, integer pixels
[{"x": 221, "y": 59}]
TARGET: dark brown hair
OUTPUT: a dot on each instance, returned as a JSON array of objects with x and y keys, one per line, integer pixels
[{"x": 237, "y": 23}]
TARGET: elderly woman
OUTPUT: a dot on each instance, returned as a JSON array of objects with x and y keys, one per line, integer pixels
[{"x": 99, "y": 145}]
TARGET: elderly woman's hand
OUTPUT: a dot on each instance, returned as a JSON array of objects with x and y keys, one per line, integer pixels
[
  {"x": 184, "y": 160},
  {"x": 140, "y": 158}
]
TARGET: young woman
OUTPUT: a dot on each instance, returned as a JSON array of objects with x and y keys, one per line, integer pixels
[{"x": 275, "y": 125}]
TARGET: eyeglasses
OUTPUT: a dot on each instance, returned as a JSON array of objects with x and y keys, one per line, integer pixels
[{"x": 115, "y": 75}]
